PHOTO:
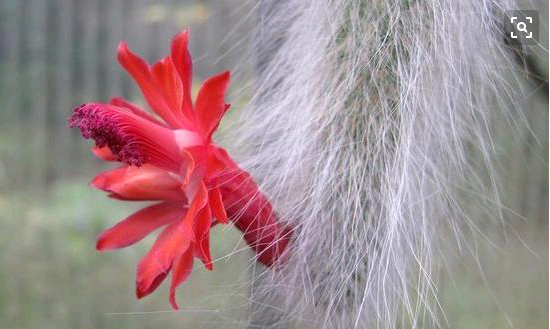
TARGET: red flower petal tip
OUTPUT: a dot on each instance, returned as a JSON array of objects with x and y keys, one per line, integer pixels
[
  {"x": 144, "y": 288},
  {"x": 170, "y": 158}
]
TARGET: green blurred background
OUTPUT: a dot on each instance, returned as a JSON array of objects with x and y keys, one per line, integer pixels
[{"x": 56, "y": 54}]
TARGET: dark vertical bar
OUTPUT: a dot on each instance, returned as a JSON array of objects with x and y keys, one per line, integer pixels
[
  {"x": 52, "y": 36},
  {"x": 77, "y": 78},
  {"x": 77, "y": 65},
  {"x": 63, "y": 87},
  {"x": 76, "y": 84},
  {"x": 127, "y": 8},
  {"x": 5, "y": 49},
  {"x": 114, "y": 36},
  {"x": 101, "y": 51},
  {"x": 3, "y": 33},
  {"x": 53, "y": 122},
  {"x": 23, "y": 90},
  {"x": 13, "y": 81},
  {"x": 7, "y": 73},
  {"x": 36, "y": 126},
  {"x": 91, "y": 27},
  {"x": 24, "y": 56}
]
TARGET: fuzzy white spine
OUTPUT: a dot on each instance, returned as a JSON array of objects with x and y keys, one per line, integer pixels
[{"x": 370, "y": 131}]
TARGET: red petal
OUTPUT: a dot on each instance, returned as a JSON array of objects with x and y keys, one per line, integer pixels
[
  {"x": 216, "y": 204},
  {"x": 199, "y": 213},
  {"x": 203, "y": 223},
  {"x": 172, "y": 242},
  {"x": 142, "y": 290},
  {"x": 121, "y": 102},
  {"x": 199, "y": 201},
  {"x": 171, "y": 85},
  {"x": 184, "y": 66},
  {"x": 153, "y": 94},
  {"x": 140, "y": 224},
  {"x": 141, "y": 184},
  {"x": 182, "y": 268},
  {"x": 103, "y": 153},
  {"x": 252, "y": 213},
  {"x": 202, "y": 251},
  {"x": 210, "y": 106},
  {"x": 218, "y": 161},
  {"x": 195, "y": 183}
]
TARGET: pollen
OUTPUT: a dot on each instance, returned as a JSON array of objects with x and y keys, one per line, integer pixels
[{"x": 106, "y": 127}]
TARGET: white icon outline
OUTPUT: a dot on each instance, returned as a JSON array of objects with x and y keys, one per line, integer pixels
[{"x": 523, "y": 28}]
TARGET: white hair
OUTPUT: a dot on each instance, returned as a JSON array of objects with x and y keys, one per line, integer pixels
[{"x": 370, "y": 130}]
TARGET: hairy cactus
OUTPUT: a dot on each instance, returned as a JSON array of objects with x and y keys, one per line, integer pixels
[{"x": 370, "y": 130}]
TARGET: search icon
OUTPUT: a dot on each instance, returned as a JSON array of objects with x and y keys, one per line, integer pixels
[{"x": 521, "y": 26}]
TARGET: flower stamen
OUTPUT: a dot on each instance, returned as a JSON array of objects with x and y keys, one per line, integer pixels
[{"x": 132, "y": 139}]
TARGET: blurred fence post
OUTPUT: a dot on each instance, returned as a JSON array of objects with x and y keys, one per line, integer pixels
[{"x": 38, "y": 97}]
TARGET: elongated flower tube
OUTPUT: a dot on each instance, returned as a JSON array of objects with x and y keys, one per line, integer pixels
[{"x": 170, "y": 158}]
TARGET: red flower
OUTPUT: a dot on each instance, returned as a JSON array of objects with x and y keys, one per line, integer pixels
[{"x": 172, "y": 160}]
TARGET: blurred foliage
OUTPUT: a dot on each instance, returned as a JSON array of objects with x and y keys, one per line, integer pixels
[
  {"x": 512, "y": 289},
  {"x": 52, "y": 277}
]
